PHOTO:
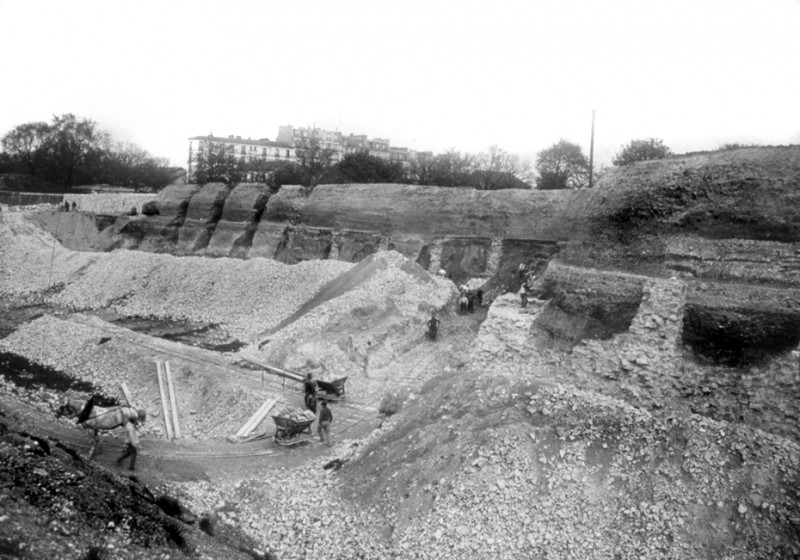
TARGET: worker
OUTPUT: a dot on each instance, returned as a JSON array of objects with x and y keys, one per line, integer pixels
[
  {"x": 463, "y": 303},
  {"x": 521, "y": 270},
  {"x": 132, "y": 444},
  {"x": 324, "y": 426},
  {"x": 310, "y": 388},
  {"x": 433, "y": 327},
  {"x": 523, "y": 294}
]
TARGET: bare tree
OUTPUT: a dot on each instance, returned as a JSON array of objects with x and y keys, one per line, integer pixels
[
  {"x": 313, "y": 161},
  {"x": 499, "y": 169}
]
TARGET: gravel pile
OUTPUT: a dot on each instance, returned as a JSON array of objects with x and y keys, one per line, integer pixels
[
  {"x": 247, "y": 297},
  {"x": 32, "y": 260},
  {"x": 376, "y": 318}
]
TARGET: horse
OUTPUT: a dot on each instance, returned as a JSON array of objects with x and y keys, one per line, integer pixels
[{"x": 96, "y": 418}]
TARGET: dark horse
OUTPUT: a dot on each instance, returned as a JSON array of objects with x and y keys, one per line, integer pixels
[{"x": 96, "y": 418}]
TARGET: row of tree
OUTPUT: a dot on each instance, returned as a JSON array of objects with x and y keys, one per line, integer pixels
[
  {"x": 493, "y": 169},
  {"x": 561, "y": 166},
  {"x": 71, "y": 150}
]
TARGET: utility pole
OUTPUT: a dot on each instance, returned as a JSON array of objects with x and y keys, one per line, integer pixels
[{"x": 591, "y": 153}]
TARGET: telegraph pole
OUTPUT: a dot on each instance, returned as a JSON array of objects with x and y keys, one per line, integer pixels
[{"x": 591, "y": 153}]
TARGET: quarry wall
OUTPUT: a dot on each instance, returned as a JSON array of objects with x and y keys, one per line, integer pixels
[{"x": 473, "y": 233}]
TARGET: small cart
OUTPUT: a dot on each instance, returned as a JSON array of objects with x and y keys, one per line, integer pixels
[
  {"x": 331, "y": 390},
  {"x": 290, "y": 431}
]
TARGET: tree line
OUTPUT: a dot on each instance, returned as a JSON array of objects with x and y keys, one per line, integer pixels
[
  {"x": 560, "y": 166},
  {"x": 314, "y": 164},
  {"x": 70, "y": 151}
]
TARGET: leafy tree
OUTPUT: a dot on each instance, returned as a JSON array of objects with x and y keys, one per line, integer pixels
[
  {"x": 313, "y": 161},
  {"x": 562, "y": 166},
  {"x": 218, "y": 164},
  {"x": 641, "y": 150},
  {"x": 25, "y": 144},
  {"x": 73, "y": 150},
  {"x": 361, "y": 167},
  {"x": 287, "y": 174},
  {"x": 498, "y": 169}
]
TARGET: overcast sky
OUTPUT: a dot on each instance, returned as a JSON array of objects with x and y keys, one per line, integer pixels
[{"x": 429, "y": 75}]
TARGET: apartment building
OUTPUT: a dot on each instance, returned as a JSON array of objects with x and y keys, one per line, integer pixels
[
  {"x": 342, "y": 145},
  {"x": 291, "y": 139},
  {"x": 245, "y": 149}
]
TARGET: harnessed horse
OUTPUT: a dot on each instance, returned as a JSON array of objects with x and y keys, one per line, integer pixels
[{"x": 96, "y": 418}]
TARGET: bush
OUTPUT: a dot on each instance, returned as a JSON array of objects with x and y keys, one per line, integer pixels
[
  {"x": 207, "y": 525},
  {"x": 641, "y": 150},
  {"x": 133, "y": 211},
  {"x": 393, "y": 401},
  {"x": 169, "y": 505},
  {"x": 150, "y": 208}
]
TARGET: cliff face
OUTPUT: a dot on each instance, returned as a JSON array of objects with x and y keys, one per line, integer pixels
[
  {"x": 427, "y": 211},
  {"x": 467, "y": 233}
]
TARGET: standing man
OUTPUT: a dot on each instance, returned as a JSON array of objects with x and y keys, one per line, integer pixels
[
  {"x": 132, "y": 441},
  {"x": 433, "y": 327},
  {"x": 310, "y": 388},
  {"x": 324, "y": 426}
]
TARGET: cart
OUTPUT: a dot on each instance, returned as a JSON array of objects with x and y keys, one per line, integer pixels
[
  {"x": 331, "y": 390},
  {"x": 291, "y": 432}
]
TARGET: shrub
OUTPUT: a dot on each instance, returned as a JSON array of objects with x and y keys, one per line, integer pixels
[
  {"x": 150, "y": 208},
  {"x": 392, "y": 401},
  {"x": 641, "y": 150},
  {"x": 133, "y": 211},
  {"x": 207, "y": 525},
  {"x": 169, "y": 505}
]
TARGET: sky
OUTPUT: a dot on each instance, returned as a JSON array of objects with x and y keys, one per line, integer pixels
[{"x": 428, "y": 75}]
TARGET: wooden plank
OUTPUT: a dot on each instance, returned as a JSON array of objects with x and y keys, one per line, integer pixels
[
  {"x": 127, "y": 394},
  {"x": 247, "y": 425},
  {"x": 163, "y": 400},
  {"x": 260, "y": 416},
  {"x": 176, "y": 427}
]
